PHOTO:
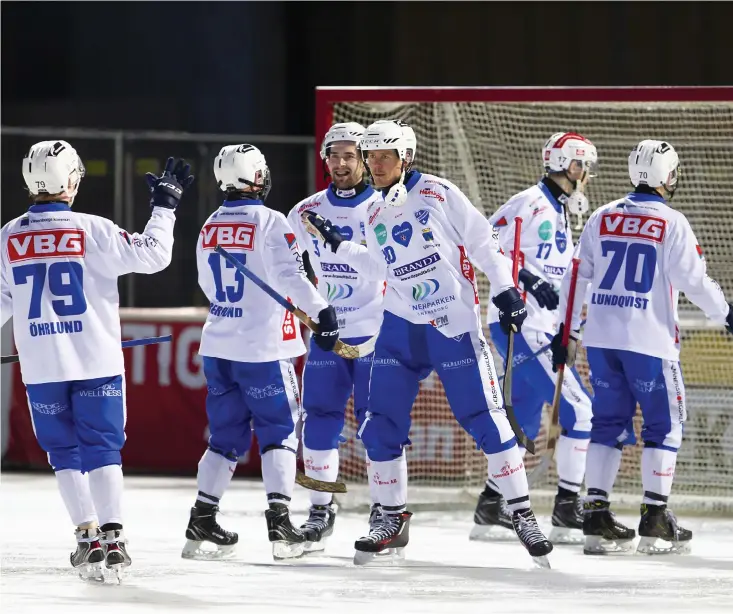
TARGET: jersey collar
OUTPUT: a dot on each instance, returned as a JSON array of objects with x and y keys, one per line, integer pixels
[
  {"x": 48, "y": 207},
  {"x": 412, "y": 179},
  {"x": 640, "y": 197},
  {"x": 241, "y": 202},
  {"x": 351, "y": 201},
  {"x": 553, "y": 193}
]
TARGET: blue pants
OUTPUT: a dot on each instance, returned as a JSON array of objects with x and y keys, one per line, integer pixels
[
  {"x": 79, "y": 424},
  {"x": 621, "y": 379},
  {"x": 328, "y": 381},
  {"x": 242, "y": 393},
  {"x": 407, "y": 353},
  {"x": 533, "y": 385}
]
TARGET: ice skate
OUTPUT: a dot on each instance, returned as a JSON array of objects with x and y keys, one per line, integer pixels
[
  {"x": 567, "y": 521},
  {"x": 532, "y": 537},
  {"x": 116, "y": 557},
  {"x": 203, "y": 528},
  {"x": 319, "y": 527},
  {"x": 388, "y": 537},
  {"x": 660, "y": 533},
  {"x": 492, "y": 519},
  {"x": 603, "y": 533},
  {"x": 88, "y": 558},
  {"x": 287, "y": 541},
  {"x": 375, "y": 515}
]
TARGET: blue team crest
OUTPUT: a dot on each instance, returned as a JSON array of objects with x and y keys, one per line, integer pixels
[
  {"x": 345, "y": 231},
  {"x": 422, "y": 216},
  {"x": 402, "y": 233},
  {"x": 561, "y": 240}
]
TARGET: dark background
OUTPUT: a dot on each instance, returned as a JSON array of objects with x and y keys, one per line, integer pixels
[{"x": 251, "y": 68}]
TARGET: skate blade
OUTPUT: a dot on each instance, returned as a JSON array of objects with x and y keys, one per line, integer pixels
[
  {"x": 314, "y": 547},
  {"x": 541, "y": 562},
  {"x": 193, "y": 550},
  {"x": 656, "y": 545},
  {"x": 595, "y": 544},
  {"x": 282, "y": 550},
  {"x": 563, "y": 536},
  {"x": 491, "y": 533},
  {"x": 387, "y": 557},
  {"x": 115, "y": 573},
  {"x": 92, "y": 572}
]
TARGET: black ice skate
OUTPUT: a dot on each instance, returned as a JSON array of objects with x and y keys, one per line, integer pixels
[
  {"x": 567, "y": 521},
  {"x": 532, "y": 537},
  {"x": 389, "y": 536},
  {"x": 114, "y": 542},
  {"x": 88, "y": 558},
  {"x": 660, "y": 533},
  {"x": 319, "y": 527},
  {"x": 287, "y": 541},
  {"x": 603, "y": 533},
  {"x": 492, "y": 518},
  {"x": 203, "y": 528}
]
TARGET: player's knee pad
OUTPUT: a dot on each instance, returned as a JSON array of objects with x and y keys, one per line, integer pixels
[
  {"x": 612, "y": 434},
  {"x": 322, "y": 431},
  {"x": 232, "y": 445},
  {"x": 92, "y": 459},
  {"x": 64, "y": 458},
  {"x": 274, "y": 437},
  {"x": 659, "y": 437},
  {"x": 382, "y": 438}
]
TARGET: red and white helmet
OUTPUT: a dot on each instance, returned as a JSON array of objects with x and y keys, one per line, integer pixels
[{"x": 564, "y": 147}]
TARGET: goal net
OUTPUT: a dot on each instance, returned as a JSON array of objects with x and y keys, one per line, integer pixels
[{"x": 488, "y": 141}]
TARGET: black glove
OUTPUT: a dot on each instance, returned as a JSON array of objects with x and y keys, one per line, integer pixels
[
  {"x": 729, "y": 319},
  {"x": 543, "y": 292},
  {"x": 564, "y": 355},
  {"x": 324, "y": 227},
  {"x": 167, "y": 189},
  {"x": 328, "y": 329},
  {"x": 512, "y": 311}
]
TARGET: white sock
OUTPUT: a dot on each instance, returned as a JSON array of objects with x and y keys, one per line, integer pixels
[
  {"x": 570, "y": 457},
  {"x": 601, "y": 467},
  {"x": 373, "y": 489},
  {"x": 106, "y": 486},
  {"x": 390, "y": 483},
  {"x": 278, "y": 475},
  {"x": 657, "y": 474},
  {"x": 74, "y": 488},
  {"x": 214, "y": 475},
  {"x": 506, "y": 471},
  {"x": 321, "y": 465}
]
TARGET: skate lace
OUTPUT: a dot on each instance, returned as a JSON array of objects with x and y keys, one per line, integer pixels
[
  {"x": 385, "y": 529},
  {"x": 318, "y": 520},
  {"x": 375, "y": 516},
  {"x": 529, "y": 531},
  {"x": 504, "y": 510}
]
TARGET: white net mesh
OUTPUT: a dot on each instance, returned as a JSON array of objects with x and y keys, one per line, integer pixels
[{"x": 492, "y": 151}]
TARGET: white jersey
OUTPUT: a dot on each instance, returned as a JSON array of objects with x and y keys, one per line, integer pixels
[
  {"x": 423, "y": 248},
  {"x": 638, "y": 254},
  {"x": 357, "y": 300},
  {"x": 244, "y": 323},
  {"x": 546, "y": 247},
  {"x": 59, "y": 283}
]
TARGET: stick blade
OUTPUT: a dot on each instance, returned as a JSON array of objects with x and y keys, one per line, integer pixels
[{"x": 319, "y": 485}]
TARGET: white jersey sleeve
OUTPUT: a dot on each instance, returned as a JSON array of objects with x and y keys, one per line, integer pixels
[
  {"x": 6, "y": 308},
  {"x": 584, "y": 252},
  {"x": 367, "y": 260},
  {"x": 481, "y": 242},
  {"x": 286, "y": 266},
  {"x": 688, "y": 272}
]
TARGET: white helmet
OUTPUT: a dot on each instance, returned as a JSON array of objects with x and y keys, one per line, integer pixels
[
  {"x": 53, "y": 167},
  {"x": 655, "y": 164},
  {"x": 391, "y": 134},
  {"x": 239, "y": 166},
  {"x": 349, "y": 131},
  {"x": 564, "y": 147}
]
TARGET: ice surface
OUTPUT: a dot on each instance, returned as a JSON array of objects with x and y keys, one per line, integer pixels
[{"x": 444, "y": 572}]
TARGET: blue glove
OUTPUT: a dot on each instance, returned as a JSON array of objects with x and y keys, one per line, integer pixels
[
  {"x": 324, "y": 227},
  {"x": 168, "y": 189},
  {"x": 543, "y": 292},
  {"x": 328, "y": 329},
  {"x": 512, "y": 311},
  {"x": 729, "y": 319}
]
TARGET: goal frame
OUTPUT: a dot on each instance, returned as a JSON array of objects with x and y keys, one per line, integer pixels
[{"x": 327, "y": 96}]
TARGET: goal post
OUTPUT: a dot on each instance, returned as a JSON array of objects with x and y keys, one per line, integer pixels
[{"x": 488, "y": 140}]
